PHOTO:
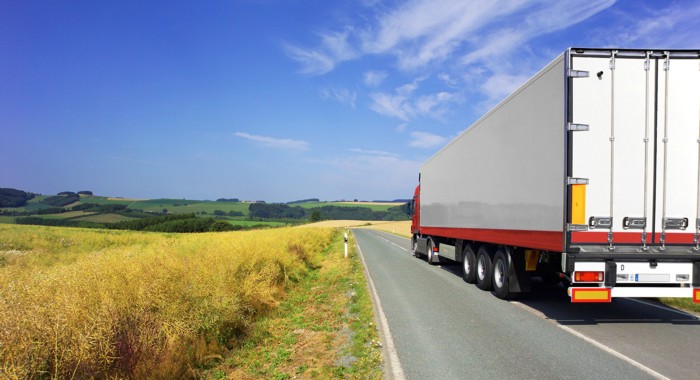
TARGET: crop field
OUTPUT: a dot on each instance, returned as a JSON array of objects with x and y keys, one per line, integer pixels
[
  {"x": 402, "y": 228},
  {"x": 250, "y": 223},
  {"x": 67, "y": 215},
  {"x": 104, "y": 218},
  {"x": 83, "y": 303},
  {"x": 372, "y": 205}
]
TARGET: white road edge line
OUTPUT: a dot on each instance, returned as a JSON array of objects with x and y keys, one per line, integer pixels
[
  {"x": 615, "y": 353},
  {"x": 392, "y": 355},
  {"x": 664, "y": 308},
  {"x": 594, "y": 342}
]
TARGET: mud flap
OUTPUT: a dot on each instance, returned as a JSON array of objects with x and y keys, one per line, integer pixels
[{"x": 519, "y": 280}]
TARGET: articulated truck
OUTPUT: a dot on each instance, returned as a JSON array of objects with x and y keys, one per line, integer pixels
[{"x": 588, "y": 174}]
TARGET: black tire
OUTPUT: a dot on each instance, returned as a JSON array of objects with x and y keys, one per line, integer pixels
[
  {"x": 469, "y": 264},
  {"x": 483, "y": 269},
  {"x": 501, "y": 276},
  {"x": 431, "y": 256}
]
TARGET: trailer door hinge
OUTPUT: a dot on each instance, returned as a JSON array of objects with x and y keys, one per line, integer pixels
[
  {"x": 573, "y": 127},
  {"x": 576, "y": 181},
  {"x": 578, "y": 73}
]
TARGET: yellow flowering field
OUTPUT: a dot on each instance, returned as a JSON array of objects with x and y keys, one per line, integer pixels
[{"x": 81, "y": 303}]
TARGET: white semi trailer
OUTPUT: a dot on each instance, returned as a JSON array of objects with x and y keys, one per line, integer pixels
[{"x": 589, "y": 173}]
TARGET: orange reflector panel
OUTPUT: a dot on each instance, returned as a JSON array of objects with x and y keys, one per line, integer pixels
[
  {"x": 696, "y": 295},
  {"x": 578, "y": 204},
  {"x": 531, "y": 258},
  {"x": 590, "y": 295},
  {"x": 588, "y": 276}
]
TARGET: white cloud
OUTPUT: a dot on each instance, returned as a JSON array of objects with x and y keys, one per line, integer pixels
[
  {"x": 334, "y": 48},
  {"x": 392, "y": 106},
  {"x": 374, "y": 78},
  {"x": 422, "y": 32},
  {"x": 273, "y": 142},
  {"x": 426, "y": 140},
  {"x": 372, "y": 152},
  {"x": 313, "y": 62},
  {"x": 404, "y": 105},
  {"x": 342, "y": 95},
  {"x": 674, "y": 27},
  {"x": 499, "y": 86}
]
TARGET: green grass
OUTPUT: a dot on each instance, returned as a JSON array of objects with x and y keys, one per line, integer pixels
[
  {"x": 686, "y": 304},
  {"x": 323, "y": 329},
  {"x": 183, "y": 206},
  {"x": 7, "y": 219}
]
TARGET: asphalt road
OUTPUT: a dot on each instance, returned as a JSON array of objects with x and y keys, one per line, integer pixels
[{"x": 444, "y": 328}]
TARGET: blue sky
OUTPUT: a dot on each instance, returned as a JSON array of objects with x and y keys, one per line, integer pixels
[{"x": 276, "y": 99}]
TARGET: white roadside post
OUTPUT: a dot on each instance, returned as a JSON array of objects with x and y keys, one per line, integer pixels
[{"x": 346, "y": 245}]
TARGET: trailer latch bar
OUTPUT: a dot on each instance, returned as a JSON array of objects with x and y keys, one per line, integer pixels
[
  {"x": 600, "y": 222},
  {"x": 633, "y": 223},
  {"x": 675, "y": 223}
]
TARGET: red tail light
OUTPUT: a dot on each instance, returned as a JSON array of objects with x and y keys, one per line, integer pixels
[{"x": 588, "y": 276}]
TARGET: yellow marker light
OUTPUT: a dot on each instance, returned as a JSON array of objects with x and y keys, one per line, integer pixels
[
  {"x": 590, "y": 295},
  {"x": 578, "y": 204}
]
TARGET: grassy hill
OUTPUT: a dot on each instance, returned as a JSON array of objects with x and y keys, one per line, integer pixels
[{"x": 88, "y": 208}]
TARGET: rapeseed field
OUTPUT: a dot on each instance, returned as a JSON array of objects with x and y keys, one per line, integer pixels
[{"x": 79, "y": 303}]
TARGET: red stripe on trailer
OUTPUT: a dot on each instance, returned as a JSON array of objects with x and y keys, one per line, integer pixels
[
  {"x": 545, "y": 240},
  {"x": 595, "y": 237}
]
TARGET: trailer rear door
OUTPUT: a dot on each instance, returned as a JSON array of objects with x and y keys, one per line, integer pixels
[{"x": 635, "y": 141}]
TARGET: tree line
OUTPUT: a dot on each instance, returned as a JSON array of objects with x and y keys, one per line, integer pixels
[
  {"x": 285, "y": 211},
  {"x": 14, "y": 198}
]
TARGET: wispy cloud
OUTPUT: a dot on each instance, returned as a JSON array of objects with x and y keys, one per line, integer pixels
[
  {"x": 372, "y": 152},
  {"x": 342, "y": 95},
  {"x": 423, "y": 32},
  {"x": 273, "y": 142},
  {"x": 674, "y": 26},
  {"x": 426, "y": 140},
  {"x": 333, "y": 48},
  {"x": 374, "y": 78},
  {"x": 404, "y": 105}
]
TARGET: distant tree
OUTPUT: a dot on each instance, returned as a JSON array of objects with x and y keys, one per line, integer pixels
[
  {"x": 85, "y": 192},
  {"x": 62, "y": 199},
  {"x": 13, "y": 197},
  {"x": 219, "y": 213},
  {"x": 164, "y": 211},
  {"x": 220, "y": 225},
  {"x": 315, "y": 216}
]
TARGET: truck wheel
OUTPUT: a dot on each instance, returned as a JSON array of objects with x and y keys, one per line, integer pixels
[
  {"x": 483, "y": 269},
  {"x": 431, "y": 255},
  {"x": 469, "y": 264},
  {"x": 501, "y": 273}
]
